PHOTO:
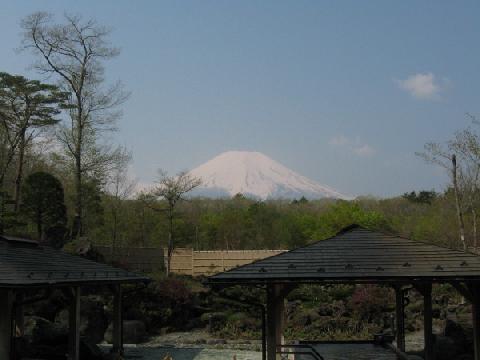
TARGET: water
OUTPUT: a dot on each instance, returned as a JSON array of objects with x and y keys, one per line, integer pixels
[
  {"x": 160, "y": 353},
  {"x": 328, "y": 351},
  {"x": 353, "y": 352}
]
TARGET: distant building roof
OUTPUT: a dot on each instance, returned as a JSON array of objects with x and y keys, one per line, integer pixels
[
  {"x": 358, "y": 255},
  {"x": 26, "y": 263}
]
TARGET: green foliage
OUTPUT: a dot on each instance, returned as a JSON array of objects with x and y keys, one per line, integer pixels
[
  {"x": 43, "y": 204},
  {"x": 242, "y": 223},
  {"x": 422, "y": 197},
  {"x": 345, "y": 213},
  {"x": 369, "y": 302},
  {"x": 9, "y": 219}
]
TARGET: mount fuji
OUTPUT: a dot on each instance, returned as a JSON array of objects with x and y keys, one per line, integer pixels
[{"x": 255, "y": 175}]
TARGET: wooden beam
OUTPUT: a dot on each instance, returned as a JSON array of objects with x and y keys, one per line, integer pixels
[
  {"x": 117, "y": 321},
  {"x": 74, "y": 325},
  {"x": 6, "y": 306},
  {"x": 427, "y": 321},
  {"x": 19, "y": 316},
  {"x": 275, "y": 319},
  {"x": 475, "y": 289},
  {"x": 400, "y": 317}
]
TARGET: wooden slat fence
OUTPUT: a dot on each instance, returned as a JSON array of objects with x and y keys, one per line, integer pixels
[
  {"x": 195, "y": 263},
  {"x": 185, "y": 261}
]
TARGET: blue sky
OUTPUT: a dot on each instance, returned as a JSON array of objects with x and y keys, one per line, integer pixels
[{"x": 343, "y": 92}]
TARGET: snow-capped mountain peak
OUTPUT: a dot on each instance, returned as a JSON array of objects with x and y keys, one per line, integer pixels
[{"x": 256, "y": 175}]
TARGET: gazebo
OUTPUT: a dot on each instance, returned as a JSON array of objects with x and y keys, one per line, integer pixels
[
  {"x": 357, "y": 255},
  {"x": 25, "y": 265}
]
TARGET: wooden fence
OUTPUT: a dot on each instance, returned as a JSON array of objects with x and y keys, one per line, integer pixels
[
  {"x": 196, "y": 263},
  {"x": 185, "y": 261}
]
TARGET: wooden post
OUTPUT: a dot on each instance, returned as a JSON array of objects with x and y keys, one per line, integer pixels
[
  {"x": 6, "y": 308},
  {"x": 74, "y": 325},
  {"x": 19, "y": 316},
  {"x": 275, "y": 320},
  {"x": 427, "y": 320},
  {"x": 117, "y": 321},
  {"x": 400, "y": 317},
  {"x": 476, "y": 319}
]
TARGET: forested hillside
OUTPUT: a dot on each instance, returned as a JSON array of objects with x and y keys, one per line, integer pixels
[{"x": 62, "y": 178}]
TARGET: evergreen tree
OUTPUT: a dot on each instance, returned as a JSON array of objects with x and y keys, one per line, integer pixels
[
  {"x": 43, "y": 204},
  {"x": 27, "y": 108}
]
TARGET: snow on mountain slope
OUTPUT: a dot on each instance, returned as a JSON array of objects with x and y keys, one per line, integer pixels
[{"x": 256, "y": 175}]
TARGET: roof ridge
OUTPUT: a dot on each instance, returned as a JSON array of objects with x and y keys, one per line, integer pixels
[
  {"x": 350, "y": 228},
  {"x": 342, "y": 231}
]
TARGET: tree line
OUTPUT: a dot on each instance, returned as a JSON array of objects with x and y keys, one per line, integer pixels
[{"x": 61, "y": 179}]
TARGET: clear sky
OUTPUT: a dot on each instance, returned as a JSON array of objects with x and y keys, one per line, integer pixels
[{"x": 343, "y": 92}]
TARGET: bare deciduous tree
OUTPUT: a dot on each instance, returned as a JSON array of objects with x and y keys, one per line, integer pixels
[
  {"x": 119, "y": 187},
  {"x": 461, "y": 157},
  {"x": 74, "y": 53},
  {"x": 437, "y": 154},
  {"x": 172, "y": 189}
]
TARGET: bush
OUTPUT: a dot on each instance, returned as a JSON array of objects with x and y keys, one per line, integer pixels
[{"x": 369, "y": 301}]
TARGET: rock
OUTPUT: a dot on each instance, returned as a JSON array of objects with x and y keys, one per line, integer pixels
[
  {"x": 305, "y": 317},
  {"x": 193, "y": 323},
  {"x": 445, "y": 348},
  {"x": 214, "y": 320},
  {"x": 95, "y": 320},
  {"x": 133, "y": 332},
  {"x": 325, "y": 311},
  {"x": 456, "y": 332},
  {"x": 464, "y": 357},
  {"x": 45, "y": 332},
  {"x": 90, "y": 351},
  {"x": 216, "y": 342}
]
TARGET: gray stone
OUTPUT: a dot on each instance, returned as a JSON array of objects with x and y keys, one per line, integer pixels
[
  {"x": 134, "y": 332},
  {"x": 216, "y": 342}
]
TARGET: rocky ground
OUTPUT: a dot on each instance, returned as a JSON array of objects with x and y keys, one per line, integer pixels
[
  {"x": 182, "y": 315},
  {"x": 201, "y": 337}
]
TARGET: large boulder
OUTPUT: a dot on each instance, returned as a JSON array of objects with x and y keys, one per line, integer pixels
[
  {"x": 456, "y": 332},
  {"x": 134, "y": 332},
  {"x": 45, "y": 339},
  {"x": 446, "y": 348},
  {"x": 214, "y": 320},
  {"x": 93, "y": 319},
  {"x": 45, "y": 332}
]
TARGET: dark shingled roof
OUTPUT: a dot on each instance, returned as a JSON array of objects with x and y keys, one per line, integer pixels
[
  {"x": 359, "y": 255},
  {"x": 26, "y": 263}
]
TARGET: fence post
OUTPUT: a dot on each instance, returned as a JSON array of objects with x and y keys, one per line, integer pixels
[{"x": 193, "y": 263}]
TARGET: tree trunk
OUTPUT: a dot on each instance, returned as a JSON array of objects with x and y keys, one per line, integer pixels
[
  {"x": 78, "y": 221},
  {"x": 170, "y": 241},
  {"x": 77, "y": 229},
  {"x": 474, "y": 220},
  {"x": 461, "y": 223},
  {"x": 39, "y": 226},
  {"x": 196, "y": 238},
  {"x": 143, "y": 225},
  {"x": 2, "y": 207},
  {"x": 19, "y": 175},
  {"x": 114, "y": 232}
]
